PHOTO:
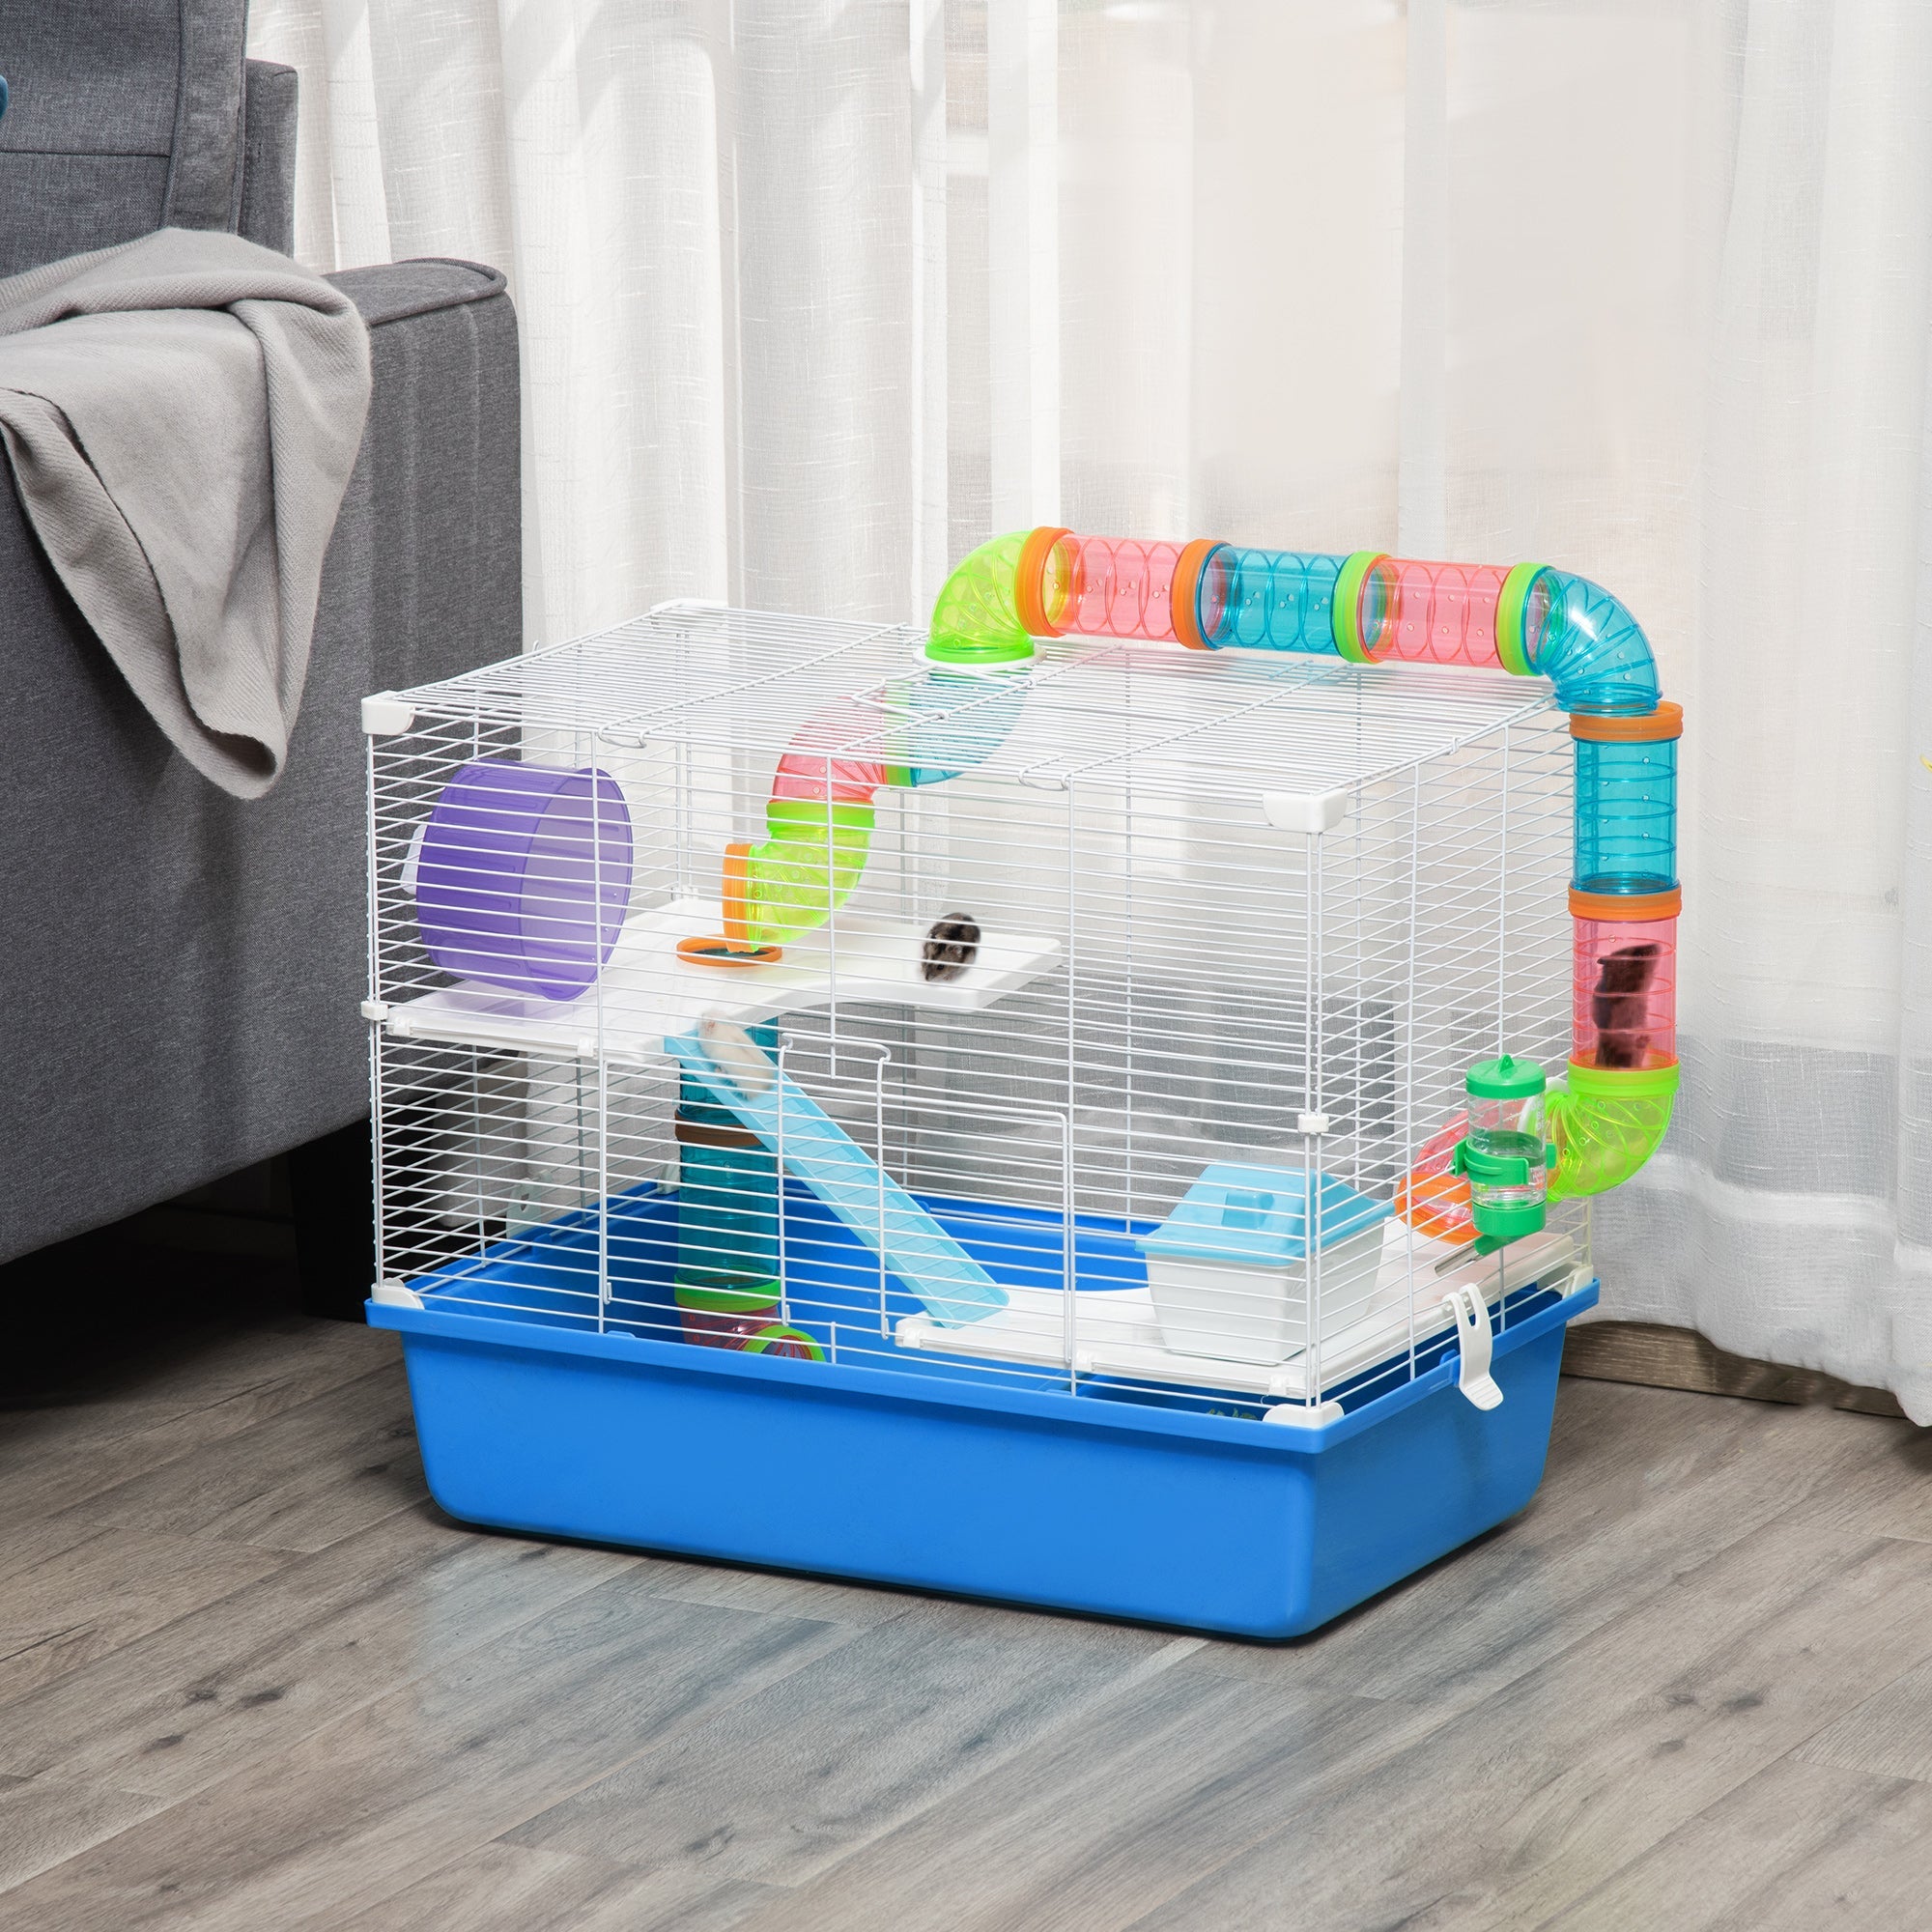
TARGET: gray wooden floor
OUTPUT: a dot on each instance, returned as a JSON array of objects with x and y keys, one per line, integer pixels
[{"x": 251, "y": 1678}]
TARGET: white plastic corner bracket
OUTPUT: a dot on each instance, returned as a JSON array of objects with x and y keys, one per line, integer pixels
[
  {"x": 671, "y": 606},
  {"x": 1303, "y": 1415},
  {"x": 1467, "y": 1308},
  {"x": 1309, "y": 812},
  {"x": 384, "y": 715},
  {"x": 1312, "y": 1124},
  {"x": 393, "y": 1295}
]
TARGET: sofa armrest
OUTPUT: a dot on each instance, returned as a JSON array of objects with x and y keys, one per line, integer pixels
[
  {"x": 268, "y": 208},
  {"x": 183, "y": 969},
  {"x": 436, "y": 504}
]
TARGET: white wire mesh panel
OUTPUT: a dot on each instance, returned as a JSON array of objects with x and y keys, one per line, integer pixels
[{"x": 1224, "y": 929}]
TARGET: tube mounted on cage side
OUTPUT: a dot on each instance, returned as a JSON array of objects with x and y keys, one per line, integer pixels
[
  {"x": 1530, "y": 619},
  {"x": 1366, "y": 608}
]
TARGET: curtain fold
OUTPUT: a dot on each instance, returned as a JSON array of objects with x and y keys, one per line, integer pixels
[
  {"x": 1786, "y": 1217},
  {"x": 1635, "y": 287}
]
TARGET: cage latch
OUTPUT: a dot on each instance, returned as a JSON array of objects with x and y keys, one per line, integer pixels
[{"x": 1470, "y": 1312}]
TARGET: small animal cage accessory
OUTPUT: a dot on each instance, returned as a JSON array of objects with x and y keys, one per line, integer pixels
[{"x": 1053, "y": 1106}]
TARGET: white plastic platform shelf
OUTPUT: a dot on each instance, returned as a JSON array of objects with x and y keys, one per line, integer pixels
[{"x": 646, "y": 991}]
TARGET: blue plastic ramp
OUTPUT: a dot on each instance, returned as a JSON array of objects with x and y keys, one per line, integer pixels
[{"x": 934, "y": 1268}]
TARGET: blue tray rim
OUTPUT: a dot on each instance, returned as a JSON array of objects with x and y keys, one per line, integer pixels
[{"x": 490, "y": 1335}]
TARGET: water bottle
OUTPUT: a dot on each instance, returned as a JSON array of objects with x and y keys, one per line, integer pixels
[{"x": 1503, "y": 1153}]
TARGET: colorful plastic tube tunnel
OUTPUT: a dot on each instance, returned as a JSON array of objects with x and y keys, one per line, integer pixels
[
  {"x": 1368, "y": 608},
  {"x": 1365, "y": 608},
  {"x": 922, "y": 729}
]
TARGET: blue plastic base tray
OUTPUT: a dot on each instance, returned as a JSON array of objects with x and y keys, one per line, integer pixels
[{"x": 1121, "y": 1499}]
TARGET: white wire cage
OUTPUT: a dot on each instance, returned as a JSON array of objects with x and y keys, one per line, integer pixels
[{"x": 1101, "y": 1054}]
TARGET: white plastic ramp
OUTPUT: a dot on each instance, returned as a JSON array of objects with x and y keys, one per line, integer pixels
[{"x": 946, "y": 1281}]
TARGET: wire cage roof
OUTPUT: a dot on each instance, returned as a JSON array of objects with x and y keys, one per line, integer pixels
[{"x": 1094, "y": 713}]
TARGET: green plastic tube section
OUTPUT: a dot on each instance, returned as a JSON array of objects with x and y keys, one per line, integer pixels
[
  {"x": 976, "y": 617},
  {"x": 807, "y": 868},
  {"x": 814, "y": 852},
  {"x": 1606, "y": 1123}
]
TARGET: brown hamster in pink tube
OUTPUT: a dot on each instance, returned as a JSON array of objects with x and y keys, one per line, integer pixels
[{"x": 1619, "y": 1005}]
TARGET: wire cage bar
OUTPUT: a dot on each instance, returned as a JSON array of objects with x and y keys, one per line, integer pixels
[{"x": 1152, "y": 943}]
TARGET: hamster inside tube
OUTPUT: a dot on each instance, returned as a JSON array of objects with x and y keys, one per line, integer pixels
[{"x": 1619, "y": 1005}]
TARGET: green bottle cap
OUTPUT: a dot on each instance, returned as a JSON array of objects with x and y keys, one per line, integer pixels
[
  {"x": 1503, "y": 1225},
  {"x": 1505, "y": 1079}
]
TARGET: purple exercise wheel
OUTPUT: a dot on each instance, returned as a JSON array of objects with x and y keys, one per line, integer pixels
[{"x": 523, "y": 876}]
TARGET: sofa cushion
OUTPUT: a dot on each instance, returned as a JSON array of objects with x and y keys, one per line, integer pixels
[{"x": 125, "y": 116}]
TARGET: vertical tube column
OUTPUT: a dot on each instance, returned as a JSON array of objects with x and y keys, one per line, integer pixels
[
  {"x": 1625, "y": 901},
  {"x": 728, "y": 1217},
  {"x": 1627, "y": 802},
  {"x": 1624, "y": 893}
]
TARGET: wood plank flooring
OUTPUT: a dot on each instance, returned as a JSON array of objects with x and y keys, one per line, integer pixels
[{"x": 251, "y": 1678}]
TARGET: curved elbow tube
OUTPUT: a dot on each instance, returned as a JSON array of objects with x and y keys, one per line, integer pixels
[
  {"x": 976, "y": 617},
  {"x": 1580, "y": 637},
  {"x": 1606, "y": 1124}
]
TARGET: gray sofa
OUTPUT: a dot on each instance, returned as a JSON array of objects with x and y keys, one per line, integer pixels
[{"x": 183, "y": 971}]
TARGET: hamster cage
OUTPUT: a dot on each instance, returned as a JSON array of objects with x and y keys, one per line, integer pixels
[{"x": 1025, "y": 1107}]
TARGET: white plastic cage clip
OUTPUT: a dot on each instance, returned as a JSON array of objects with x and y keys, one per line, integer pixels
[
  {"x": 1466, "y": 1307},
  {"x": 1307, "y": 811},
  {"x": 384, "y": 715}
]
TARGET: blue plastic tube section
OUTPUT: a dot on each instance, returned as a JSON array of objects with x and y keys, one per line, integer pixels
[
  {"x": 727, "y": 1198},
  {"x": 951, "y": 1286},
  {"x": 1575, "y": 633},
  {"x": 1270, "y": 600},
  {"x": 1626, "y": 816},
  {"x": 954, "y": 721},
  {"x": 1582, "y": 638}
]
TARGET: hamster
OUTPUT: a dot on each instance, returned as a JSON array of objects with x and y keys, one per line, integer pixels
[
  {"x": 1619, "y": 1005},
  {"x": 950, "y": 947}
]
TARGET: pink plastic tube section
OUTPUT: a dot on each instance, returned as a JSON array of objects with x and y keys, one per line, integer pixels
[
  {"x": 1112, "y": 587},
  {"x": 808, "y": 771},
  {"x": 1417, "y": 613}
]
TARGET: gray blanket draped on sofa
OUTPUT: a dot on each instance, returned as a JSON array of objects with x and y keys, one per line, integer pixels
[{"x": 182, "y": 413}]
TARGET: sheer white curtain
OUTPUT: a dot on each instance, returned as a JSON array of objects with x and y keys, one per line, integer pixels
[
  {"x": 707, "y": 217},
  {"x": 816, "y": 292}
]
